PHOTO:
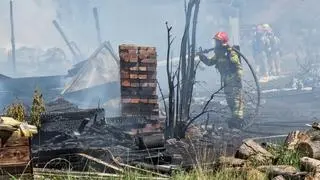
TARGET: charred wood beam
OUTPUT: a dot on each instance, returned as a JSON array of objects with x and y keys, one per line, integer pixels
[
  {"x": 75, "y": 55},
  {"x": 13, "y": 46},
  {"x": 150, "y": 141},
  {"x": 96, "y": 18}
]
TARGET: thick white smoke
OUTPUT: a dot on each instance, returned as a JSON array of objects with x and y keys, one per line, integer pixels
[{"x": 32, "y": 21}]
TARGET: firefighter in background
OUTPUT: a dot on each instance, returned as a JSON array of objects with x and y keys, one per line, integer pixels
[
  {"x": 260, "y": 46},
  {"x": 274, "y": 51},
  {"x": 229, "y": 66}
]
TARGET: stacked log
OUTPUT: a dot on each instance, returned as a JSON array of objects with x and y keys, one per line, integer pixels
[
  {"x": 306, "y": 145},
  {"x": 138, "y": 67},
  {"x": 252, "y": 150}
]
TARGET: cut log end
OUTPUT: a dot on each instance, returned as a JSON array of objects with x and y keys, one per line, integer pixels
[
  {"x": 254, "y": 152},
  {"x": 309, "y": 164},
  {"x": 280, "y": 177},
  {"x": 309, "y": 149}
]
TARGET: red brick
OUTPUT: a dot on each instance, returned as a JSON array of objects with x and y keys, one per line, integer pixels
[
  {"x": 132, "y": 51},
  {"x": 133, "y": 76},
  {"x": 124, "y": 75},
  {"x": 130, "y": 101},
  {"x": 127, "y": 47},
  {"x": 142, "y": 48},
  {"x": 152, "y": 69},
  {"x": 135, "y": 84},
  {"x": 153, "y": 101},
  {"x": 142, "y": 51},
  {"x": 135, "y": 68},
  {"x": 125, "y": 83},
  {"x": 124, "y": 56},
  {"x": 143, "y": 100},
  {"x": 148, "y": 85},
  {"x": 149, "y": 61},
  {"x": 152, "y": 76},
  {"x": 151, "y": 51},
  {"x": 148, "y": 64},
  {"x": 142, "y": 68}
]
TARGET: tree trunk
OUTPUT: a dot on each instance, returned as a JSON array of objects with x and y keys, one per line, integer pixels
[
  {"x": 309, "y": 148},
  {"x": 183, "y": 59},
  {"x": 191, "y": 57},
  {"x": 252, "y": 150}
]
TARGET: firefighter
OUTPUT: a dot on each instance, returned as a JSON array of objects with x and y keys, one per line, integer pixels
[
  {"x": 274, "y": 53},
  {"x": 271, "y": 49},
  {"x": 229, "y": 66},
  {"x": 260, "y": 46}
]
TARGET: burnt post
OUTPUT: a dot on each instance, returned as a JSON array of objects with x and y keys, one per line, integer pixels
[
  {"x": 96, "y": 18},
  {"x": 13, "y": 46},
  {"x": 55, "y": 23}
]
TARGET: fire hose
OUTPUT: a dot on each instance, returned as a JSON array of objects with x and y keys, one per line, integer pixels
[{"x": 248, "y": 123}]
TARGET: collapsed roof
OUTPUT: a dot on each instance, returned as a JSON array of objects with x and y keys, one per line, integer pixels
[{"x": 100, "y": 68}]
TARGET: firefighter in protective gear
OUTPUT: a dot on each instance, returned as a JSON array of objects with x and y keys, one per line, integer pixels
[
  {"x": 229, "y": 66},
  {"x": 261, "y": 48},
  {"x": 274, "y": 53},
  {"x": 266, "y": 28}
]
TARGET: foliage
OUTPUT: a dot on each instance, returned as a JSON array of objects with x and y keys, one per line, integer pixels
[
  {"x": 285, "y": 156},
  {"x": 37, "y": 108},
  {"x": 16, "y": 111}
]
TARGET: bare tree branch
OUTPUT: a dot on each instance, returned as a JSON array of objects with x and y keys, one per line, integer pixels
[
  {"x": 171, "y": 109},
  {"x": 204, "y": 109},
  {"x": 162, "y": 96}
]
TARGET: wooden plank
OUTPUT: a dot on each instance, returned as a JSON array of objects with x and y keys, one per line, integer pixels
[
  {"x": 15, "y": 140},
  {"x": 14, "y": 155},
  {"x": 115, "y": 168}
]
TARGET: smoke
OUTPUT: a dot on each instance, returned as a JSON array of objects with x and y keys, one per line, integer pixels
[{"x": 32, "y": 21}]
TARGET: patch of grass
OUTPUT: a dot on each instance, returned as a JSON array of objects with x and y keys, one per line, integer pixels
[
  {"x": 197, "y": 174},
  {"x": 284, "y": 156}
]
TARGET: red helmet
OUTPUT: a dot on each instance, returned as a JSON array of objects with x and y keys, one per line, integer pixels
[{"x": 222, "y": 36}]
